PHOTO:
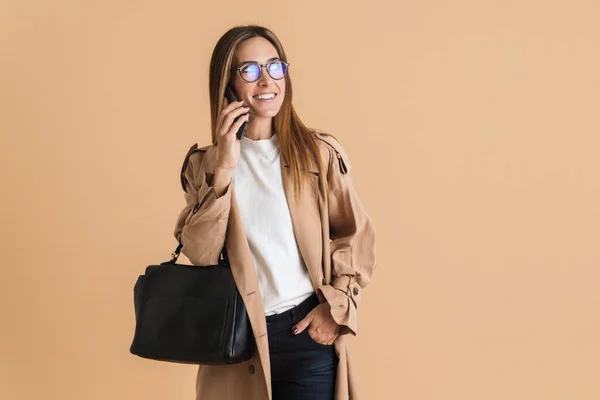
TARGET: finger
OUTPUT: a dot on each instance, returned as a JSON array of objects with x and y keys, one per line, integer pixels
[
  {"x": 224, "y": 105},
  {"x": 227, "y": 107},
  {"x": 236, "y": 126},
  {"x": 301, "y": 326},
  {"x": 229, "y": 118},
  {"x": 234, "y": 114},
  {"x": 231, "y": 106}
]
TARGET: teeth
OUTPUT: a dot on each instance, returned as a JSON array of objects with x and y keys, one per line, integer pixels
[{"x": 265, "y": 96}]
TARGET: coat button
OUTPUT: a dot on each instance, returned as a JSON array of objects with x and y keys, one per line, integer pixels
[
  {"x": 251, "y": 369},
  {"x": 355, "y": 291}
]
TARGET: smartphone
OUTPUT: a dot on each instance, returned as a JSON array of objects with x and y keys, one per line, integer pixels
[{"x": 231, "y": 97}]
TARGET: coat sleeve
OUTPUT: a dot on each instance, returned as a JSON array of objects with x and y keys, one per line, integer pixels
[
  {"x": 352, "y": 245},
  {"x": 202, "y": 224}
]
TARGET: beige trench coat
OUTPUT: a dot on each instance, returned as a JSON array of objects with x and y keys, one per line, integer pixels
[{"x": 336, "y": 239}]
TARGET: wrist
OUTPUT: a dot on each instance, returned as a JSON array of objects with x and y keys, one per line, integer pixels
[{"x": 221, "y": 179}]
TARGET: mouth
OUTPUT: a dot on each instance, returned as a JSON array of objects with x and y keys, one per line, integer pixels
[{"x": 265, "y": 97}]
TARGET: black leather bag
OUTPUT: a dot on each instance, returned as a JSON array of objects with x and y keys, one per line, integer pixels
[{"x": 190, "y": 314}]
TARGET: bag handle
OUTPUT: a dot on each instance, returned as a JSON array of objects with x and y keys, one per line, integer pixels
[{"x": 223, "y": 257}]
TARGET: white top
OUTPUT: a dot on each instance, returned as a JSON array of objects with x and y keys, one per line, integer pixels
[{"x": 283, "y": 279}]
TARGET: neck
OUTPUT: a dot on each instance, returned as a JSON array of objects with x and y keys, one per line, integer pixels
[{"x": 259, "y": 128}]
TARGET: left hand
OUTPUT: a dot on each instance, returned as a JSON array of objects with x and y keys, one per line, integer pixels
[{"x": 321, "y": 325}]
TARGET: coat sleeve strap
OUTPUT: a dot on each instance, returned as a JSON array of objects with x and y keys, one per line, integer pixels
[{"x": 186, "y": 160}]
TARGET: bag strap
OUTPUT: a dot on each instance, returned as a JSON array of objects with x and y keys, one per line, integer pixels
[{"x": 223, "y": 257}]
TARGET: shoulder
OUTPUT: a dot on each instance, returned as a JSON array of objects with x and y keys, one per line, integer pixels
[
  {"x": 331, "y": 146},
  {"x": 191, "y": 161}
]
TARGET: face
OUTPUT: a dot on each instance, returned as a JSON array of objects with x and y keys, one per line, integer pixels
[{"x": 260, "y": 50}]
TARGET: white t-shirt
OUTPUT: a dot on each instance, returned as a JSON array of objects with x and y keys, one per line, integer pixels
[{"x": 283, "y": 279}]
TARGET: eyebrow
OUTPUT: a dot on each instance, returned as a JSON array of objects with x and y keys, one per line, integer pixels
[{"x": 270, "y": 59}]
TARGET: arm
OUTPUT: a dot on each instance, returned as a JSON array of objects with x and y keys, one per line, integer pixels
[
  {"x": 352, "y": 235},
  {"x": 202, "y": 223}
]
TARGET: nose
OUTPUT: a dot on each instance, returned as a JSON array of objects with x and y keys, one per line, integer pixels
[{"x": 264, "y": 75}]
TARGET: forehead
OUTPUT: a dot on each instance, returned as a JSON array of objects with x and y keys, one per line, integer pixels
[{"x": 256, "y": 49}]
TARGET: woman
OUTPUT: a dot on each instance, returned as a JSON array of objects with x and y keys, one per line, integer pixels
[{"x": 299, "y": 241}]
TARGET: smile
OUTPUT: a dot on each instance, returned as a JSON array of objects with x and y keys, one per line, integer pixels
[{"x": 265, "y": 96}]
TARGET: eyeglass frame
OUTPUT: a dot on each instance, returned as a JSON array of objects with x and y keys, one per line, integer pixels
[{"x": 239, "y": 69}]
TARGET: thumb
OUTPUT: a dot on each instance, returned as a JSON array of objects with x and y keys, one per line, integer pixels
[{"x": 303, "y": 324}]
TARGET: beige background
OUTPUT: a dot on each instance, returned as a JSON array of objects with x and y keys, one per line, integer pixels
[{"x": 472, "y": 127}]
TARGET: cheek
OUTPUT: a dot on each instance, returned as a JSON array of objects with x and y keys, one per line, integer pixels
[
  {"x": 282, "y": 94},
  {"x": 243, "y": 89}
]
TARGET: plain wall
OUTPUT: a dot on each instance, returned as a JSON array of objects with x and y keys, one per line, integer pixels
[{"x": 472, "y": 128}]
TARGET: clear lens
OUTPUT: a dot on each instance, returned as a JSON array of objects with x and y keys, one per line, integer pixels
[
  {"x": 251, "y": 72},
  {"x": 277, "y": 70}
]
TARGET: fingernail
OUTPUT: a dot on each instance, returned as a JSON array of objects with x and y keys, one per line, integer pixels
[{"x": 295, "y": 330}]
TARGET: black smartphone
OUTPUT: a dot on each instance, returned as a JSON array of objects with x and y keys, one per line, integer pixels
[{"x": 231, "y": 97}]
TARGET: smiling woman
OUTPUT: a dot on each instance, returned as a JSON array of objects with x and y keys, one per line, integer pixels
[
  {"x": 264, "y": 96},
  {"x": 251, "y": 72},
  {"x": 299, "y": 241},
  {"x": 240, "y": 58}
]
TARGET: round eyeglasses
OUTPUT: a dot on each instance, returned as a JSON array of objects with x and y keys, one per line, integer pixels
[{"x": 251, "y": 72}]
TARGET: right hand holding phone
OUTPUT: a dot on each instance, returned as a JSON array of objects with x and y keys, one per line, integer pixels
[{"x": 228, "y": 145}]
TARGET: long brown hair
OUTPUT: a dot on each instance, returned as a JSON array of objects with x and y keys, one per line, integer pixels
[{"x": 297, "y": 144}]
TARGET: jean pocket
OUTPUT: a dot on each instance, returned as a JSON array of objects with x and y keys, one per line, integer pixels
[{"x": 314, "y": 342}]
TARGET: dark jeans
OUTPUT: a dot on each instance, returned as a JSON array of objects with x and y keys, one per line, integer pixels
[{"x": 301, "y": 368}]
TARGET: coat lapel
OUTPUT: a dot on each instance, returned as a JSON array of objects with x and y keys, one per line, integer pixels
[
  {"x": 244, "y": 274},
  {"x": 306, "y": 220}
]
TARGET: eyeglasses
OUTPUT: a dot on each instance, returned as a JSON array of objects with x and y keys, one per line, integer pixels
[{"x": 251, "y": 72}]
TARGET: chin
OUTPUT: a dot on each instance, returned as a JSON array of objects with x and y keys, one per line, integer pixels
[{"x": 267, "y": 113}]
